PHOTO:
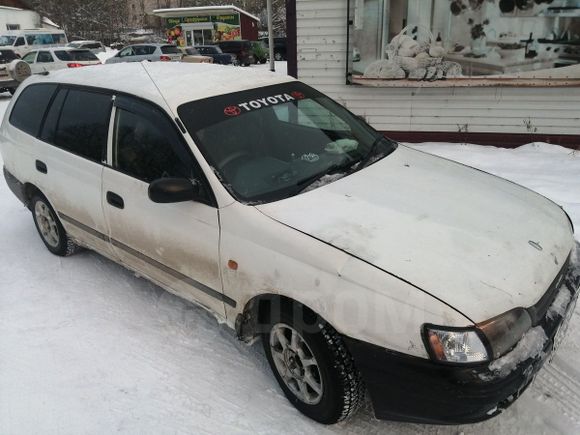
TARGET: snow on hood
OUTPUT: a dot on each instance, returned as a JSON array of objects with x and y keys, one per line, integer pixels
[{"x": 480, "y": 243}]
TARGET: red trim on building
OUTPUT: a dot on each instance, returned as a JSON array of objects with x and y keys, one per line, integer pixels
[
  {"x": 248, "y": 28},
  {"x": 291, "y": 40},
  {"x": 503, "y": 140}
]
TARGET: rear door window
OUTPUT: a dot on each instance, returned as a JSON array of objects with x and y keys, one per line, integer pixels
[
  {"x": 170, "y": 49},
  {"x": 29, "y": 109},
  {"x": 78, "y": 55},
  {"x": 44, "y": 57},
  {"x": 143, "y": 50},
  {"x": 83, "y": 123}
]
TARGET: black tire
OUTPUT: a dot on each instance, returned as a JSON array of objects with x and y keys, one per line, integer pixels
[
  {"x": 343, "y": 390},
  {"x": 62, "y": 245}
]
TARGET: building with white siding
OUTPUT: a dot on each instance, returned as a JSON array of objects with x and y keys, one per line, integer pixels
[{"x": 497, "y": 111}]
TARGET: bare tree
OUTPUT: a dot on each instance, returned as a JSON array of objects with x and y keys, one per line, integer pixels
[{"x": 86, "y": 19}]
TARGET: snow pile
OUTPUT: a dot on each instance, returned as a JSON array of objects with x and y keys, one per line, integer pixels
[
  {"x": 107, "y": 54},
  {"x": 530, "y": 346},
  {"x": 327, "y": 179},
  {"x": 558, "y": 307}
]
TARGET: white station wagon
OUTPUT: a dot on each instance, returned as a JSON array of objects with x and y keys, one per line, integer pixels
[{"x": 361, "y": 263}]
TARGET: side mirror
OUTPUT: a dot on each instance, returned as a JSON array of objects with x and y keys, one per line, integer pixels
[{"x": 170, "y": 190}]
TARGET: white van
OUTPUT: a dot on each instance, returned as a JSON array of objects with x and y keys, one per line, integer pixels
[
  {"x": 22, "y": 41},
  {"x": 362, "y": 264}
]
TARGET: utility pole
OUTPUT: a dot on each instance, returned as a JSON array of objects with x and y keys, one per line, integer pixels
[{"x": 270, "y": 35}]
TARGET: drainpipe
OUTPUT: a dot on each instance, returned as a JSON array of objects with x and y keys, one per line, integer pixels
[{"x": 270, "y": 35}]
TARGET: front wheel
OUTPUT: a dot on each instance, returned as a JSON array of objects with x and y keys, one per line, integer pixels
[
  {"x": 314, "y": 369},
  {"x": 50, "y": 229}
]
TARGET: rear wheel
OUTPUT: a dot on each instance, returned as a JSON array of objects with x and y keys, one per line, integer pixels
[
  {"x": 314, "y": 369},
  {"x": 50, "y": 229}
]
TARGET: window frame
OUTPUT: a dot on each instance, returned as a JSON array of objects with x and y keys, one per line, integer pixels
[
  {"x": 51, "y": 141},
  {"x": 210, "y": 198}
]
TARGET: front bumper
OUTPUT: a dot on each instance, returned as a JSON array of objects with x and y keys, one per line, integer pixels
[{"x": 408, "y": 388}]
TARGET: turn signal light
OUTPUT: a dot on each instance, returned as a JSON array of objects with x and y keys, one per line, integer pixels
[{"x": 74, "y": 65}]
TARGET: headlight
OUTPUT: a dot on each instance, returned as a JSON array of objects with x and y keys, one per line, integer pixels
[
  {"x": 504, "y": 331},
  {"x": 455, "y": 345}
]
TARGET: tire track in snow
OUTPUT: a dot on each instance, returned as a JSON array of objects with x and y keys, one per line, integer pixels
[{"x": 560, "y": 388}]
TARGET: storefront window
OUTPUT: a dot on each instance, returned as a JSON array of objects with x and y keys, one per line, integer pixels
[
  {"x": 203, "y": 29},
  {"x": 465, "y": 42}
]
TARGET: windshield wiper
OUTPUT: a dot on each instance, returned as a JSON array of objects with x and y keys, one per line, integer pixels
[{"x": 372, "y": 151}]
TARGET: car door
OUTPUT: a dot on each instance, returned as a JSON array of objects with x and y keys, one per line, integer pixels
[
  {"x": 69, "y": 157},
  {"x": 44, "y": 62},
  {"x": 176, "y": 245}
]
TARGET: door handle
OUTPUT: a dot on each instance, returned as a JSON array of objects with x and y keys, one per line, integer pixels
[
  {"x": 41, "y": 167},
  {"x": 115, "y": 200}
]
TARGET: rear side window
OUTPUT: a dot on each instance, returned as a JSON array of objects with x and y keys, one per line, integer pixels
[
  {"x": 78, "y": 55},
  {"x": 29, "y": 110},
  {"x": 7, "y": 56},
  {"x": 170, "y": 49},
  {"x": 83, "y": 123}
]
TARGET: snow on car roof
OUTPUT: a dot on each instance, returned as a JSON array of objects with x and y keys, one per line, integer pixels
[{"x": 166, "y": 83}]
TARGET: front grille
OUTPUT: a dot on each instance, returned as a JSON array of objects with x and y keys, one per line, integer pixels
[{"x": 538, "y": 311}]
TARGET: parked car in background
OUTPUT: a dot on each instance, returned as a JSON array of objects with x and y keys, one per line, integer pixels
[
  {"x": 13, "y": 70},
  {"x": 362, "y": 264},
  {"x": 149, "y": 52},
  {"x": 192, "y": 55},
  {"x": 217, "y": 54},
  {"x": 242, "y": 49},
  {"x": 94, "y": 46},
  {"x": 22, "y": 41},
  {"x": 55, "y": 58},
  {"x": 260, "y": 52},
  {"x": 279, "y": 47}
]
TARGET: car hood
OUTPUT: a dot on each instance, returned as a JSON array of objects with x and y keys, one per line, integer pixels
[{"x": 479, "y": 243}]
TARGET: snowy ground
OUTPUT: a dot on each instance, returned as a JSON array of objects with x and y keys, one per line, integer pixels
[{"x": 88, "y": 347}]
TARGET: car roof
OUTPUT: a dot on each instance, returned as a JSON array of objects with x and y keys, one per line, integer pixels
[
  {"x": 87, "y": 41},
  {"x": 168, "y": 84},
  {"x": 149, "y": 44},
  {"x": 59, "y": 49}
]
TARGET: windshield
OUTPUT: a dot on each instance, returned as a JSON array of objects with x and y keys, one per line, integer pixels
[
  {"x": 7, "y": 40},
  {"x": 274, "y": 142}
]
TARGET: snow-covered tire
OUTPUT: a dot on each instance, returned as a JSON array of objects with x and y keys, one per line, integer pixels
[
  {"x": 342, "y": 388},
  {"x": 50, "y": 229},
  {"x": 19, "y": 70}
]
